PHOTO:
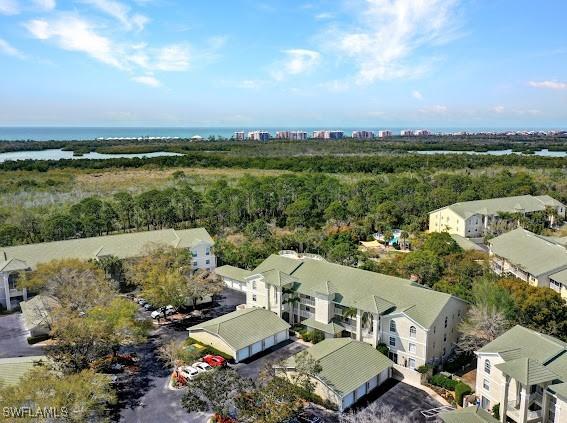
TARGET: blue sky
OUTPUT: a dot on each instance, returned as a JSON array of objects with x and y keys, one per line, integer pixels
[{"x": 371, "y": 63}]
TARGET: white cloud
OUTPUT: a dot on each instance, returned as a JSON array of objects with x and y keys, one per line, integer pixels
[
  {"x": 388, "y": 39},
  {"x": 417, "y": 95},
  {"x": 172, "y": 58},
  {"x": 75, "y": 34},
  {"x": 434, "y": 110},
  {"x": 10, "y": 50},
  {"x": 9, "y": 7},
  {"x": 498, "y": 109},
  {"x": 45, "y": 4},
  {"x": 296, "y": 62},
  {"x": 324, "y": 16},
  {"x": 121, "y": 13},
  {"x": 251, "y": 84},
  {"x": 336, "y": 86},
  {"x": 148, "y": 80},
  {"x": 552, "y": 85}
]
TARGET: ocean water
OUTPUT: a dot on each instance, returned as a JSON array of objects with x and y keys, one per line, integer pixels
[{"x": 91, "y": 133}]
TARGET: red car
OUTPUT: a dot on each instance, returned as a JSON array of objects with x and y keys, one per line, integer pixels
[{"x": 214, "y": 360}]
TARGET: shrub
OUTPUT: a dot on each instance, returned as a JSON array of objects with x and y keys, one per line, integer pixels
[
  {"x": 496, "y": 411},
  {"x": 383, "y": 348},
  {"x": 461, "y": 389},
  {"x": 424, "y": 369},
  {"x": 444, "y": 382},
  {"x": 317, "y": 336}
]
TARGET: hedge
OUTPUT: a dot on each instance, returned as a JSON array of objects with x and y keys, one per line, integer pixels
[
  {"x": 38, "y": 338},
  {"x": 444, "y": 382},
  {"x": 461, "y": 390}
]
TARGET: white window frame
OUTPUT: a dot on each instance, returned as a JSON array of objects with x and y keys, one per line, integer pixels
[{"x": 392, "y": 341}]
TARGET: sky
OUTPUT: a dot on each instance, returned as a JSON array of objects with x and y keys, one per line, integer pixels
[{"x": 266, "y": 63}]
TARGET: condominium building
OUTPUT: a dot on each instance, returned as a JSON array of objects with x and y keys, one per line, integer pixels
[
  {"x": 22, "y": 258},
  {"x": 422, "y": 133},
  {"x": 384, "y": 134},
  {"x": 328, "y": 135},
  {"x": 362, "y": 135},
  {"x": 407, "y": 133},
  {"x": 291, "y": 135},
  {"x": 525, "y": 372},
  {"x": 239, "y": 136},
  {"x": 475, "y": 219},
  {"x": 259, "y": 136},
  {"x": 538, "y": 260},
  {"x": 417, "y": 324}
]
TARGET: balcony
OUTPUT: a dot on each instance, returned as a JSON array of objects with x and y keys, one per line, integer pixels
[
  {"x": 16, "y": 292},
  {"x": 513, "y": 411}
]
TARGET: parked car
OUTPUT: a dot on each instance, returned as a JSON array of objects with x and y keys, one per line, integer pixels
[
  {"x": 141, "y": 301},
  {"x": 188, "y": 372},
  {"x": 214, "y": 360},
  {"x": 202, "y": 366},
  {"x": 148, "y": 306}
]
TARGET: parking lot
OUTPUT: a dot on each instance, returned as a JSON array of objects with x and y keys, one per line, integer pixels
[
  {"x": 252, "y": 367},
  {"x": 13, "y": 342}
]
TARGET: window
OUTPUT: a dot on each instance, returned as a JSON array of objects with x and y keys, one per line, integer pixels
[
  {"x": 253, "y": 297},
  {"x": 194, "y": 253},
  {"x": 13, "y": 280},
  {"x": 444, "y": 351},
  {"x": 485, "y": 403},
  {"x": 412, "y": 331},
  {"x": 486, "y": 384},
  {"x": 445, "y": 338},
  {"x": 207, "y": 261},
  {"x": 275, "y": 295},
  {"x": 434, "y": 329},
  {"x": 392, "y": 341},
  {"x": 392, "y": 326},
  {"x": 487, "y": 366},
  {"x": 412, "y": 348},
  {"x": 253, "y": 284},
  {"x": 208, "y": 251},
  {"x": 445, "y": 322},
  {"x": 194, "y": 263}
]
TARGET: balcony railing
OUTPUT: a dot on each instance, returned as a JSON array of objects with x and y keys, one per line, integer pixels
[{"x": 514, "y": 412}]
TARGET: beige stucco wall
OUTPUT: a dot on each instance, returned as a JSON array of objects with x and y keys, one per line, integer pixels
[
  {"x": 320, "y": 388},
  {"x": 214, "y": 341},
  {"x": 495, "y": 378},
  {"x": 455, "y": 311},
  {"x": 446, "y": 220},
  {"x": 267, "y": 296},
  {"x": 200, "y": 261},
  {"x": 403, "y": 339}
]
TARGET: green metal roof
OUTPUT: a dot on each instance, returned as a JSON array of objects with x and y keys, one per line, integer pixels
[
  {"x": 121, "y": 246},
  {"x": 527, "y": 371},
  {"x": 560, "y": 277},
  {"x": 232, "y": 272},
  {"x": 530, "y": 252},
  {"x": 346, "y": 363},
  {"x": 278, "y": 278},
  {"x": 331, "y": 328},
  {"x": 369, "y": 291},
  {"x": 243, "y": 327},
  {"x": 521, "y": 342},
  {"x": 12, "y": 369},
  {"x": 465, "y": 243},
  {"x": 559, "y": 389},
  {"x": 13, "y": 265},
  {"x": 468, "y": 415},
  {"x": 493, "y": 206}
]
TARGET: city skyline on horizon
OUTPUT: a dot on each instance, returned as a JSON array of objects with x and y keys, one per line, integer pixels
[{"x": 269, "y": 64}]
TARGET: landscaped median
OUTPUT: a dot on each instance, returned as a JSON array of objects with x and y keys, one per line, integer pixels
[{"x": 451, "y": 390}]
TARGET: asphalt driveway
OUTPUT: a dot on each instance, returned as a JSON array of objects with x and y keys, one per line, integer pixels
[
  {"x": 13, "y": 338},
  {"x": 406, "y": 400},
  {"x": 251, "y": 368}
]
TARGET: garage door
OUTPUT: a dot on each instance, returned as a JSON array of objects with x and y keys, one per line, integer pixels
[
  {"x": 257, "y": 347},
  {"x": 348, "y": 400},
  {"x": 372, "y": 383},
  {"x": 281, "y": 336},
  {"x": 361, "y": 391},
  {"x": 268, "y": 342},
  {"x": 243, "y": 354},
  {"x": 382, "y": 377}
]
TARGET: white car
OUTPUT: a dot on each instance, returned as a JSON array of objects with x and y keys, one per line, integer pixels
[
  {"x": 156, "y": 314},
  {"x": 201, "y": 366},
  {"x": 188, "y": 372}
]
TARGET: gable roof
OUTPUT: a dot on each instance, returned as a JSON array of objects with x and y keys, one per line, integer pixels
[
  {"x": 12, "y": 369},
  {"x": 346, "y": 363},
  {"x": 468, "y": 415},
  {"x": 527, "y": 371},
  {"x": 122, "y": 246},
  {"x": 277, "y": 277},
  {"x": 369, "y": 291},
  {"x": 530, "y": 252},
  {"x": 233, "y": 272},
  {"x": 243, "y": 327},
  {"x": 36, "y": 311},
  {"x": 13, "y": 265},
  {"x": 493, "y": 206}
]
